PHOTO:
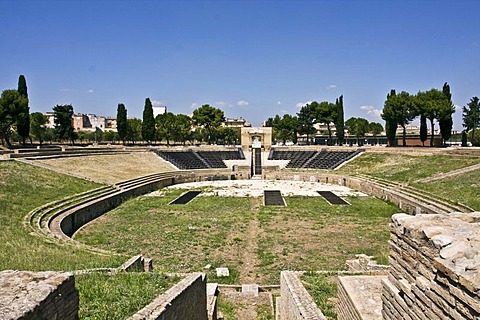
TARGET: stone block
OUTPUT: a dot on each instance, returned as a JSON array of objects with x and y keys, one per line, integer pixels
[
  {"x": 250, "y": 289},
  {"x": 222, "y": 272}
]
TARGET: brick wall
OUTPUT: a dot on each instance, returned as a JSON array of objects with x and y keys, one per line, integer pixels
[{"x": 435, "y": 264}]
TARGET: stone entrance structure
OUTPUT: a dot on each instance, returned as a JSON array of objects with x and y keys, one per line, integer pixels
[
  {"x": 256, "y": 137},
  {"x": 254, "y": 141}
]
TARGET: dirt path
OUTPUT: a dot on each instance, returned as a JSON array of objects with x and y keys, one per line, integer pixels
[
  {"x": 248, "y": 271},
  {"x": 449, "y": 174}
]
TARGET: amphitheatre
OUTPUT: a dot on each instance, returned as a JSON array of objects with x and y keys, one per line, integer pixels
[{"x": 262, "y": 232}]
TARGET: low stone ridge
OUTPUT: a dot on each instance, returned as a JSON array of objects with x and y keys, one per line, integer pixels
[
  {"x": 38, "y": 295},
  {"x": 435, "y": 267}
]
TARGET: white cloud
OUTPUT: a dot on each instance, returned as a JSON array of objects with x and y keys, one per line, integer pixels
[
  {"x": 242, "y": 103},
  {"x": 222, "y": 104},
  {"x": 373, "y": 112},
  {"x": 279, "y": 103},
  {"x": 90, "y": 91},
  {"x": 194, "y": 105},
  {"x": 332, "y": 86},
  {"x": 157, "y": 103},
  {"x": 302, "y": 104}
]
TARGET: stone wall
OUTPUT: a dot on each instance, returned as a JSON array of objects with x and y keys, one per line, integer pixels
[
  {"x": 68, "y": 222},
  {"x": 186, "y": 300},
  {"x": 38, "y": 295},
  {"x": 295, "y": 303},
  {"x": 435, "y": 267}
]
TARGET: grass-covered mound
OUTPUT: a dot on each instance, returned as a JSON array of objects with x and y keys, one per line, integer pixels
[
  {"x": 408, "y": 169},
  {"x": 23, "y": 188}
]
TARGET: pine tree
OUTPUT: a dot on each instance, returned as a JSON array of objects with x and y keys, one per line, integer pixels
[
  {"x": 148, "y": 125},
  {"x": 63, "y": 122},
  {"x": 122, "y": 122},
  {"x": 23, "y": 119},
  {"x": 340, "y": 121}
]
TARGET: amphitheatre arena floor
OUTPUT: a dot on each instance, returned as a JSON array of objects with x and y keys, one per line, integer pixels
[{"x": 255, "y": 241}]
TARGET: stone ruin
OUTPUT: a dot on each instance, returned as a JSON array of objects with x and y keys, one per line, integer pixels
[{"x": 434, "y": 273}]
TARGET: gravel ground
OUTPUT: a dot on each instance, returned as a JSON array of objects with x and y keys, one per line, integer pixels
[{"x": 255, "y": 188}]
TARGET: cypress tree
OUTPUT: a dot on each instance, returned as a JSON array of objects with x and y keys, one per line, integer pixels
[
  {"x": 446, "y": 121},
  {"x": 388, "y": 114},
  {"x": 23, "y": 118},
  {"x": 122, "y": 122},
  {"x": 148, "y": 125},
  {"x": 423, "y": 129},
  {"x": 340, "y": 121}
]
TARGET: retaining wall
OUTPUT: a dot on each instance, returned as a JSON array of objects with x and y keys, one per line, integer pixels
[
  {"x": 435, "y": 263},
  {"x": 186, "y": 300},
  {"x": 68, "y": 222},
  {"x": 65, "y": 223},
  {"x": 295, "y": 303}
]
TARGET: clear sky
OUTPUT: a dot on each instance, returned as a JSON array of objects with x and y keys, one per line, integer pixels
[{"x": 250, "y": 58}]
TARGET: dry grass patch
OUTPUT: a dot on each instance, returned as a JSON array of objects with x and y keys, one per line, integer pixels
[{"x": 111, "y": 168}]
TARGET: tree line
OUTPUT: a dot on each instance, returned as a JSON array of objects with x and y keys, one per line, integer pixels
[
  {"x": 205, "y": 125},
  {"x": 288, "y": 127},
  {"x": 400, "y": 109}
]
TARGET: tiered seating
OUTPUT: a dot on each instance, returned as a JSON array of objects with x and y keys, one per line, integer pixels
[
  {"x": 297, "y": 158},
  {"x": 215, "y": 158},
  {"x": 183, "y": 160},
  {"x": 190, "y": 159},
  {"x": 314, "y": 159}
]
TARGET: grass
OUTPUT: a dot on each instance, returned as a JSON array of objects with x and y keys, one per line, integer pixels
[
  {"x": 22, "y": 188},
  {"x": 112, "y": 168},
  {"x": 227, "y": 308},
  {"x": 311, "y": 234},
  {"x": 307, "y": 234},
  {"x": 180, "y": 238},
  {"x": 407, "y": 169},
  {"x": 464, "y": 188},
  {"x": 322, "y": 288},
  {"x": 118, "y": 296}
]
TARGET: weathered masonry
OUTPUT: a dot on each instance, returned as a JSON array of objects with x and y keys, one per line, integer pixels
[{"x": 434, "y": 271}]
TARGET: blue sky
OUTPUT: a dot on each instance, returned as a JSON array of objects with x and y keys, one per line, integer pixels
[{"x": 250, "y": 58}]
